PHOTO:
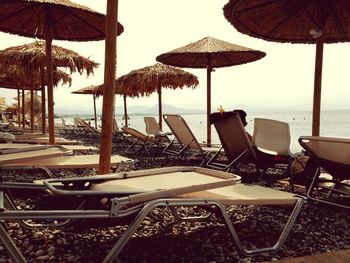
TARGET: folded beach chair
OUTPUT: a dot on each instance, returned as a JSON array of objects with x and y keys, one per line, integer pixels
[
  {"x": 187, "y": 142},
  {"x": 235, "y": 142},
  {"x": 271, "y": 141},
  {"x": 142, "y": 142},
  {"x": 137, "y": 193},
  {"x": 332, "y": 155}
]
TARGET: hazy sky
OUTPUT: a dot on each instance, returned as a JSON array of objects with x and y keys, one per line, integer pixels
[{"x": 283, "y": 79}]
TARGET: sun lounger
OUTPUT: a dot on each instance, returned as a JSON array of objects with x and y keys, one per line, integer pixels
[
  {"x": 152, "y": 128},
  {"x": 85, "y": 129},
  {"x": 33, "y": 154},
  {"x": 85, "y": 162},
  {"x": 137, "y": 193},
  {"x": 187, "y": 142},
  {"x": 6, "y": 147},
  {"x": 142, "y": 142},
  {"x": 271, "y": 141},
  {"x": 235, "y": 142},
  {"x": 333, "y": 156},
  {"x": 42, "y": 139}
]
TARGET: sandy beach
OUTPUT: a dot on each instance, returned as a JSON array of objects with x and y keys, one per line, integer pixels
[{"x": 318, "y": 229}]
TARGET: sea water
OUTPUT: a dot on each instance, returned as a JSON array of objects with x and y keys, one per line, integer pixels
[{"x": 334, "y": 123}]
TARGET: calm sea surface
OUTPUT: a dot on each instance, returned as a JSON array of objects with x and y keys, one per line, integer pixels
[{"x": 333, "y": 124}]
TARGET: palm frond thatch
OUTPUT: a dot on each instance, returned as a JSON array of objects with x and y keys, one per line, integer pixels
[
  {"x": 70, "y": 21},
  {"x": 221, "y": 53},
  {"x": 144, "y": 81},
  {"x": 33, "y": 57},
  {"x": 17, "y": 77}
]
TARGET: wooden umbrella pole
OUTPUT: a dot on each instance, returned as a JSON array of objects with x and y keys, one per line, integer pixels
[
  {"x": 209, "y": 69},
  {"x": 43, "y": 100},
  {"x": 125, "y": 111},
  {"x": 95, "y": 115},
  {"x": 317, "y": 88},
  {"x": 23, "y": 118},
  {"x": 109, "y": 86},
  {"x": 18, "y": 108},
  {"x": 159, "y": 90},
  {"x": 32, "y": 110},
  {"x": 49, "y": 74}
]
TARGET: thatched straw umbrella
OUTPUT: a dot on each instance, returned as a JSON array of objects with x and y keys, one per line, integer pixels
[
  {"x": 32, "y": 57},
  {"x": 297, "y": 21},
  {"x": 209, "y": 53},
  {"x": 91, "y": 90},
  {"x": 153, "y": 78},
  {"x": 17, "y": 77},
  {"x": 52, "y": 19}
]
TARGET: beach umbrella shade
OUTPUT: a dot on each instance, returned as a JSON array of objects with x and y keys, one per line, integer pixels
[
  {"x": 153, "y": 78},
  {"x": 210, "y": 53},
  {"x": 17, "y": 77},
  {"x": 32, "y": 57},
  {"x": 48, "y": 20},
  {"x": 28, "y": 103},
  {"x": 299, "y": 21},
  {"x": 90, "y": 90},
  {"x": 125, "y": 92}
]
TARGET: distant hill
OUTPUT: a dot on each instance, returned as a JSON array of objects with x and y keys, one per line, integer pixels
[{"x": 131, "y": 110}]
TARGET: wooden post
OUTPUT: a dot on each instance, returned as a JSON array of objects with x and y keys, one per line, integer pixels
[
  {"x": 95, "y": 115},
  {"x": 23, "y": 118},
  {"x": 209, "y": 69},
  {"x": 49, "y": 77},
  {"x": 109, "y": 86},
  {"x": 317, "y": 88},
  {"x": 32, "y": 110},
  {"x": 43, "y": 100},
  {"x": 159, "y": 90},
  {"x": 18, "y": 108},
  {"x": 125, "y": 111}
]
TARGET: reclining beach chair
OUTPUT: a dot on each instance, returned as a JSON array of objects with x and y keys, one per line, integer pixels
[
  {"x": 271, "y": 141},
  {"x": 332, "y": 155},
  {"x": 142, "y": 142},
  {"x": 85, "y": 129},
  {"x": 187, "y": 142},
  {"x": 235, "y": 142},
  {"x": 137, "y": 193},
  {"x": 152, "y": 128}
]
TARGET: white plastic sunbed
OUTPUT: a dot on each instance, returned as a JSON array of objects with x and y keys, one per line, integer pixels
[{"x": 138, "y": 192}]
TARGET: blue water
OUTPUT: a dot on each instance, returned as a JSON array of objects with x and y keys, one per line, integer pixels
[{"x": 333, "y": 124}]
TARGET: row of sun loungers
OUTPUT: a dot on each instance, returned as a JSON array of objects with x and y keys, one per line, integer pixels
[{"x": 135, "y": 194}]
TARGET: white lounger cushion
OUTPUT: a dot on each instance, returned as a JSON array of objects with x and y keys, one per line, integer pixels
[{"x": 242, "y": 194}]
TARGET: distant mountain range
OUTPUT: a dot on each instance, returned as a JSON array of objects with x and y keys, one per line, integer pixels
[{"x": 131, "y": 110}]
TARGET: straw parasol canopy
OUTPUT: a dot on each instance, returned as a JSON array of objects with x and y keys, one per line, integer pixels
[
  {"x": 52, "y": 19},
  {"x": 298, "y": 21},
  {"x": 28, "y": 101},
  {"x": 91, "y": 90},
  {"x": 16, "y": 77},
  {"x": 32, "y": 57},
  {"x": 209, "y": 53},
  {"x": 153, "y": 78}
]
